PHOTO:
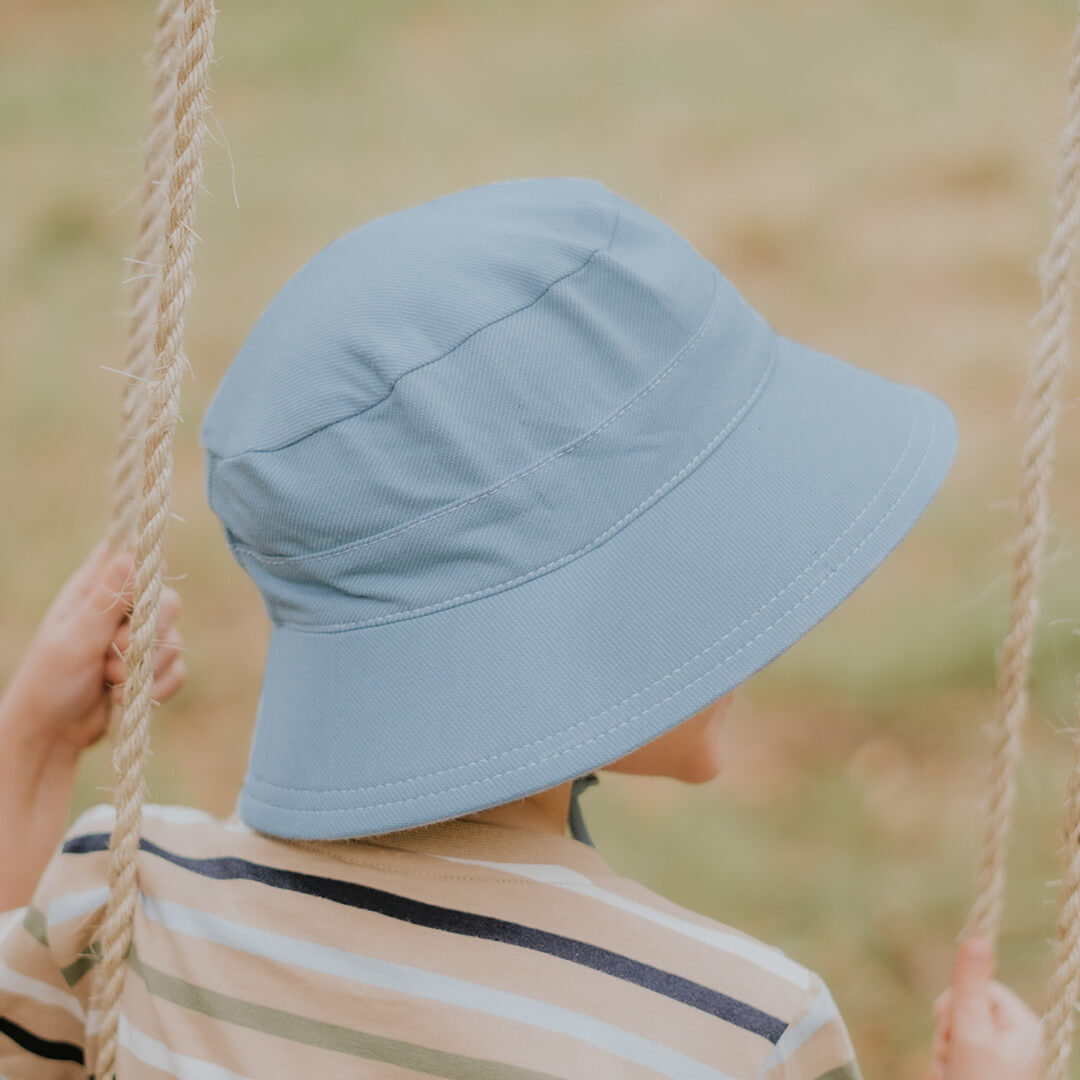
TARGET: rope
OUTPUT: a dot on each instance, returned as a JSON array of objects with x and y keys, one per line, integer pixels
[
  {"x": 1064, "y": 984},
  {"x": 132, "y": 742},
  {"x": 146, "y": 260},
  {"x": 1041, "y": 401}
]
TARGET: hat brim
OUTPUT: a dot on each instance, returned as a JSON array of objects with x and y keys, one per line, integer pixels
[{"x": 431, "y": 717}]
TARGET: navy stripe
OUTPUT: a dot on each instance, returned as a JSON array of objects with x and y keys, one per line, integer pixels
[
  {"x": 39, "y": 1047},
  {"x": 469, "y": 924}
]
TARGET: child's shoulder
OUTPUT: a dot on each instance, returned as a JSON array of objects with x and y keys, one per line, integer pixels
[
  {"x": 779, "y": 982},
  {"x": 171, "y": 832},
  {"x": 570, "y": 932},
  {"x": 770, "y": 993}
]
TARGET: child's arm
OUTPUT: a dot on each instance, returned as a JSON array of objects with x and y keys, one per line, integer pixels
[
  {"x": 55, "y": 707},
  {"x": 983, "y": 1030}
]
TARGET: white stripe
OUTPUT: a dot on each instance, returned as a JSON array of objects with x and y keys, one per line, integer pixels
[
  {"x": 821, "y": 1012},
  {"x": 763, "y": 956},
  {"x": 174, "y": 814},
  {"x": 156, "y": 1054},
  {"x": 431, "y": 985},
  {"x": 73, "y": 905},
  {"x": 9, "y": 920},
  {"x": 177, "y": 814},
  {"x": 96, "y": 815},
  {"x": 15, "y": 982}
]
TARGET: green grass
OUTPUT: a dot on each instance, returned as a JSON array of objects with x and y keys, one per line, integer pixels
[{"x": 875, "y": 177}]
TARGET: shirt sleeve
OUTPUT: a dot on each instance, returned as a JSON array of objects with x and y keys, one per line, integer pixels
[
  {"x": 47, "y": 951},
  {"x": 816, "y": 1045}
]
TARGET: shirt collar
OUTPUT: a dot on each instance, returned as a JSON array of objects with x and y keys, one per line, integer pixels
[{"x": 481, "y": 842}]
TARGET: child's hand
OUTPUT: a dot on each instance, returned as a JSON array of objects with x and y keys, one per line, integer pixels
[
  {"x": 983, "y": 1030},
  {"x": 58, "y": 696}
]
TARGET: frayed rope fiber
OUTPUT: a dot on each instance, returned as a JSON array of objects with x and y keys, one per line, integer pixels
[
  {"x": 182, "y": 57},
  {"x": 1041, "y": 402}
]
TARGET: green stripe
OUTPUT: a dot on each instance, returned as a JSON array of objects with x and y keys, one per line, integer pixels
[
  {"x": 301, "y": 1029},
  {"x": 35, "y": 925},
  {"x": 843, "y": 1072},
  {"x": 79, "y": 967}
]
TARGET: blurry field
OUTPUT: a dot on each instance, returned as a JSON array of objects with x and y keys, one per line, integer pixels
[{"x": 875, "y": 177}]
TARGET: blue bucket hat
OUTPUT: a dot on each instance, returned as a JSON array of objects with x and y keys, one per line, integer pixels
[{"x": 524, "y": 483}]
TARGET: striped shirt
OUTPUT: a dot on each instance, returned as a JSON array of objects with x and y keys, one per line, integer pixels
[{"x": 461, "y": 950}]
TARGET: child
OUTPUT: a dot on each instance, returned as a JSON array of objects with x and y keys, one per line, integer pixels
[{"x": 528, "y": 489}]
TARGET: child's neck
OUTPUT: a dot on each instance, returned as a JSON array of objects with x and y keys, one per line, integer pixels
[{"x": 547, "y": 811}]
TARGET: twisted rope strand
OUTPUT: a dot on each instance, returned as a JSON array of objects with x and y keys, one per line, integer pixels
[
  {"x": 132, "y": 744},
  {"x": 149, "y": 244},
  {"x": 1041, "y": 405},
  {"x": 1064, "y": 985}
]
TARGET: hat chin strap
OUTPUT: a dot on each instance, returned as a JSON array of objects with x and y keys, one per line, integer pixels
[{"x": 576, "y": 822}]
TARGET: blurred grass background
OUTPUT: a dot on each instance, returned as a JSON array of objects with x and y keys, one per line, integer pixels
[{"x": 874, "y": 176}]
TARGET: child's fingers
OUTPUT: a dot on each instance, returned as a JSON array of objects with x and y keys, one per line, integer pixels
[
  {"x": 938, "y": 1055},
  {"x": 107, "y": 599},
  {"x": 170, "y": 609},
  {"x": 90, "y": 568},
  {"x": 166, "y": 652},
  {"x": 942, "y": 1012},
  {"x": 942, "y": 1006},
  {"x": 170, "y": 681},
  {"x": 972, "y": 974},
  {"x": 1008, "y": 1009},
  {"x": 166, "y": 684},
  {"x": 167, "y": 618}
]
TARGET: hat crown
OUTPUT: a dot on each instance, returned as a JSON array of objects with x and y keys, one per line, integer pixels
[
  {"x": 458, "y": 394},
  {"x": 524, "y": 482}
]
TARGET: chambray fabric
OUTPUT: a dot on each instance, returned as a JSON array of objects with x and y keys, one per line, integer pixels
[{"x": 524, "y": 482}]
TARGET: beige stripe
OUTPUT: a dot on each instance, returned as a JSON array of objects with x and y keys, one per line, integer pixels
[
  {"x": 154, "y": 1044},
  {"x": 31, "y": 987},
  {"x": 501, "y": 895},
  {"x": 482, "y": 841},
  {"x": 67, "y": 875},
  {"x": 827, "y": 1050},
  {"x": 842, "y": 1072},
  {"x": 508, "y": 896},
  {"x": 242, "y": 1049},
  {"x": 505, "y": 967},
  {"x": 129, "y": 1065},
  {"x": 319, "y": 1033},
  {"x": 44, "y": 986},
  {"x": 45, "y": 1021},
  {"x": 384, "y": 1012}
]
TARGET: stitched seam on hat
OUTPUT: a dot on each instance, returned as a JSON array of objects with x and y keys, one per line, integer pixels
[
  {"x": 628, "y": 720},
  {"x": 435, "y": 359},
  {"x": 623, "y": 723},
  {"x": 682, "y": 354},
  {"x": 412, "y": 613}
]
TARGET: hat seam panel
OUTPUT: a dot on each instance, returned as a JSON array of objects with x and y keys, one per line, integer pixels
[
  {"x": 623, "y": 723},
  {"x": 693, "y": 463},
  {"x": 682, "y": 354},
  {"x": 435, "y": 359}
]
